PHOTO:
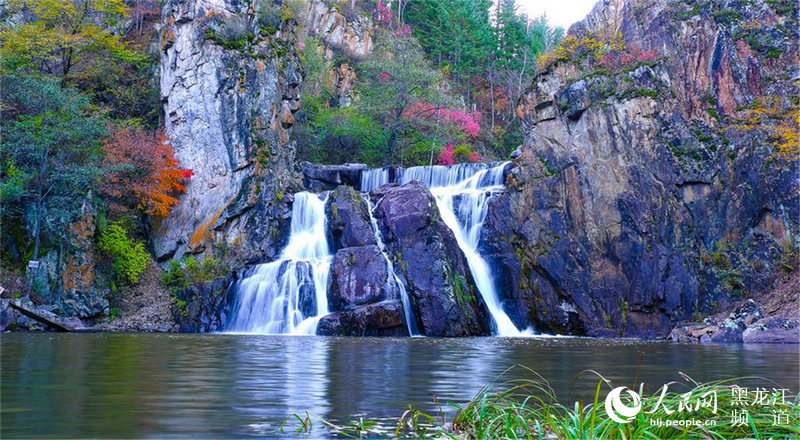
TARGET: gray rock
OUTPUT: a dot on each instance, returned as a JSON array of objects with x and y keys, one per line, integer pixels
[
  {"x": 227, "y": 115},
  {"x": 773, "y": 331},
  {"x": 326, "y": 177}
]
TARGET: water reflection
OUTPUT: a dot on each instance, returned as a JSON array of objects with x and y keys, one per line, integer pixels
[{"x": 141, "y": 385}]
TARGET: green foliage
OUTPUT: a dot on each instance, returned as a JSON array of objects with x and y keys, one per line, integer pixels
[
  {"x": 59, "y": 36},
  {"x": 529, "y": 408},
  {"x": 175, "y": 276},
  {"x": 395, "y": 77},
  {"x": 789, "y": 255},
  {"x": 337, "y": 135},
  {"x": 462, "y": 154},
  {"x": 130, "y": 257},
  {"x": 231, "y": 33},
  {"x": 268, "y": 14},
  {"x": 187, "y": 272},
  {"x": 50, "y": 152}
]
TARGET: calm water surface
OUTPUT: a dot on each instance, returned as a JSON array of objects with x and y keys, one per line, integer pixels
[{"x": 157, "y": 385}]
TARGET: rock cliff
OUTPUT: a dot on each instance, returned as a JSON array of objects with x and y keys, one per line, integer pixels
[
  {"x": 634, "y": 202},
  {"x": 229, "y": 86}
]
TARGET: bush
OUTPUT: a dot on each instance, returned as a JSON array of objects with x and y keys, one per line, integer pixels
[
  {"x": 130, "y": 257},
  {"x": 268, "y": 14},
  {"x": 187, "y": 272}
]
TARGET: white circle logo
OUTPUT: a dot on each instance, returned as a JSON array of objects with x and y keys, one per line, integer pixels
[{"x": 617, "y": 410}]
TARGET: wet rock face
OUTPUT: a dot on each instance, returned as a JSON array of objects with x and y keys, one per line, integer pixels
[
  {"x": 204, "y": 307},
  {"x": 631, "y": 206},
  {"x": 359, "y": 276},
  {"x": 348, "y": 219},
  {"x": 228, "y": 104},
  {"x": 425, "y": 253},
  {"x": 385, "y": 318}
]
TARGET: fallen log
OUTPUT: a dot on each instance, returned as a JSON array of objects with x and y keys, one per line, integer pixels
[{"x": 51, "y": 321}]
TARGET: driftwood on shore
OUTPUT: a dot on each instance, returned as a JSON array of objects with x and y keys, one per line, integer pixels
[{"x": 47, "y": 318}]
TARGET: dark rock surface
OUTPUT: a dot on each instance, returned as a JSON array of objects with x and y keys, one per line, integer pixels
[
  {"x": 348, "y": 219},
  {"x": 359, "y": 276},
  {"x": 633, "y": 204},
  {"x": 204, "y": 307},
  {"x": 318, "y": 177},
  {"x": 385, "y": 318},
  {"x": 426, "y": 255}
]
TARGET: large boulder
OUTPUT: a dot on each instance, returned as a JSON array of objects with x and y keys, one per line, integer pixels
[
  {"x": 348, "y": 219},
  {"x": 360, "y": 275},
  {"x": 773, "y": 330},
  {"x": 385, "y": 318},
  {"x": 445, "y": 299}
]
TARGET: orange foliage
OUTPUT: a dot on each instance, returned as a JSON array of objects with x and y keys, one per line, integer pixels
[
  {"x": 142, "y": 172},
  {"x": 781, "y": 123}
]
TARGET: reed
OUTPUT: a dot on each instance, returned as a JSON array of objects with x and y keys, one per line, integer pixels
[{"x": 529, "y": 409}]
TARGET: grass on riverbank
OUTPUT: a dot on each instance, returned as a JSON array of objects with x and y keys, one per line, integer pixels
[{"x": 529, "y": 409}]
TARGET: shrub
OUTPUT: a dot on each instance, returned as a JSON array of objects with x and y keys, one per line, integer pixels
[
  {"x": 174, "y": 277},
  {"x": 268, "y": 14},
  {"x": 457, "y": 154},
  {"x": 130, "y": 257},
  {"x": 187, "y": 272}
]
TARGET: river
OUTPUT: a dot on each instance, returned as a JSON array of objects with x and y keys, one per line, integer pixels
[{"x": 214, "y": 385}]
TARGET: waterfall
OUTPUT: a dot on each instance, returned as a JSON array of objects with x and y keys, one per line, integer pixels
[
  {"x": 289, "y": 295},
  {"x": 462, "y": 193},
  {"x": 395, "y": 284}
]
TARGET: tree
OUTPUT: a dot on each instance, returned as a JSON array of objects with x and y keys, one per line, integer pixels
[
  {"x": 141, "y": 172},
  {"x": 57, "y": 36},
  {"x": 51, "y": 151},
  {"x": 396, "y": 76}
]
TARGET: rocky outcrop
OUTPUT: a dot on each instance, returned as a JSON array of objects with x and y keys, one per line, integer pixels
[
  {"x": 204, "y": 307},
  {"x": 229, "y": 84},
  {"x": 339, "y": 26},
  {"x": 774, "y": 331},
  {"x": 359, "y": 275},
  {"x": 380, "y": 319},
  {"x": 67, "y": 279},
  {"x": 433, "y": 267},
  {"x": 318, "y": 177},
  {"x": 348, "y": 219},
  {"x": 633, "y": 204}
]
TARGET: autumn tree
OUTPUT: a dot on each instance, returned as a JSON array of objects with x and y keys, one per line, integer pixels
[
  {"x": 779, "y": 119},
  {"x": 395, "y": 77},
  {"x": 142, "y": 172},
  {"x": 58, "y": 36}
]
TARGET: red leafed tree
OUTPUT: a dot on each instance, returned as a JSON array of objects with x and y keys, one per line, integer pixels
[{"x": 142, "y": 172}]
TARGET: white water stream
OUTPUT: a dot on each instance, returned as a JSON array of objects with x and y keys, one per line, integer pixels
[{"x": 271, "y": 300}]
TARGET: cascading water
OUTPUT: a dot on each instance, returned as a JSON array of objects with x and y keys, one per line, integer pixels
[
  {"x": 289, "y": 295},
  {"x": 461, "y": 193},
  {"x": 395, "y": 285}
]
